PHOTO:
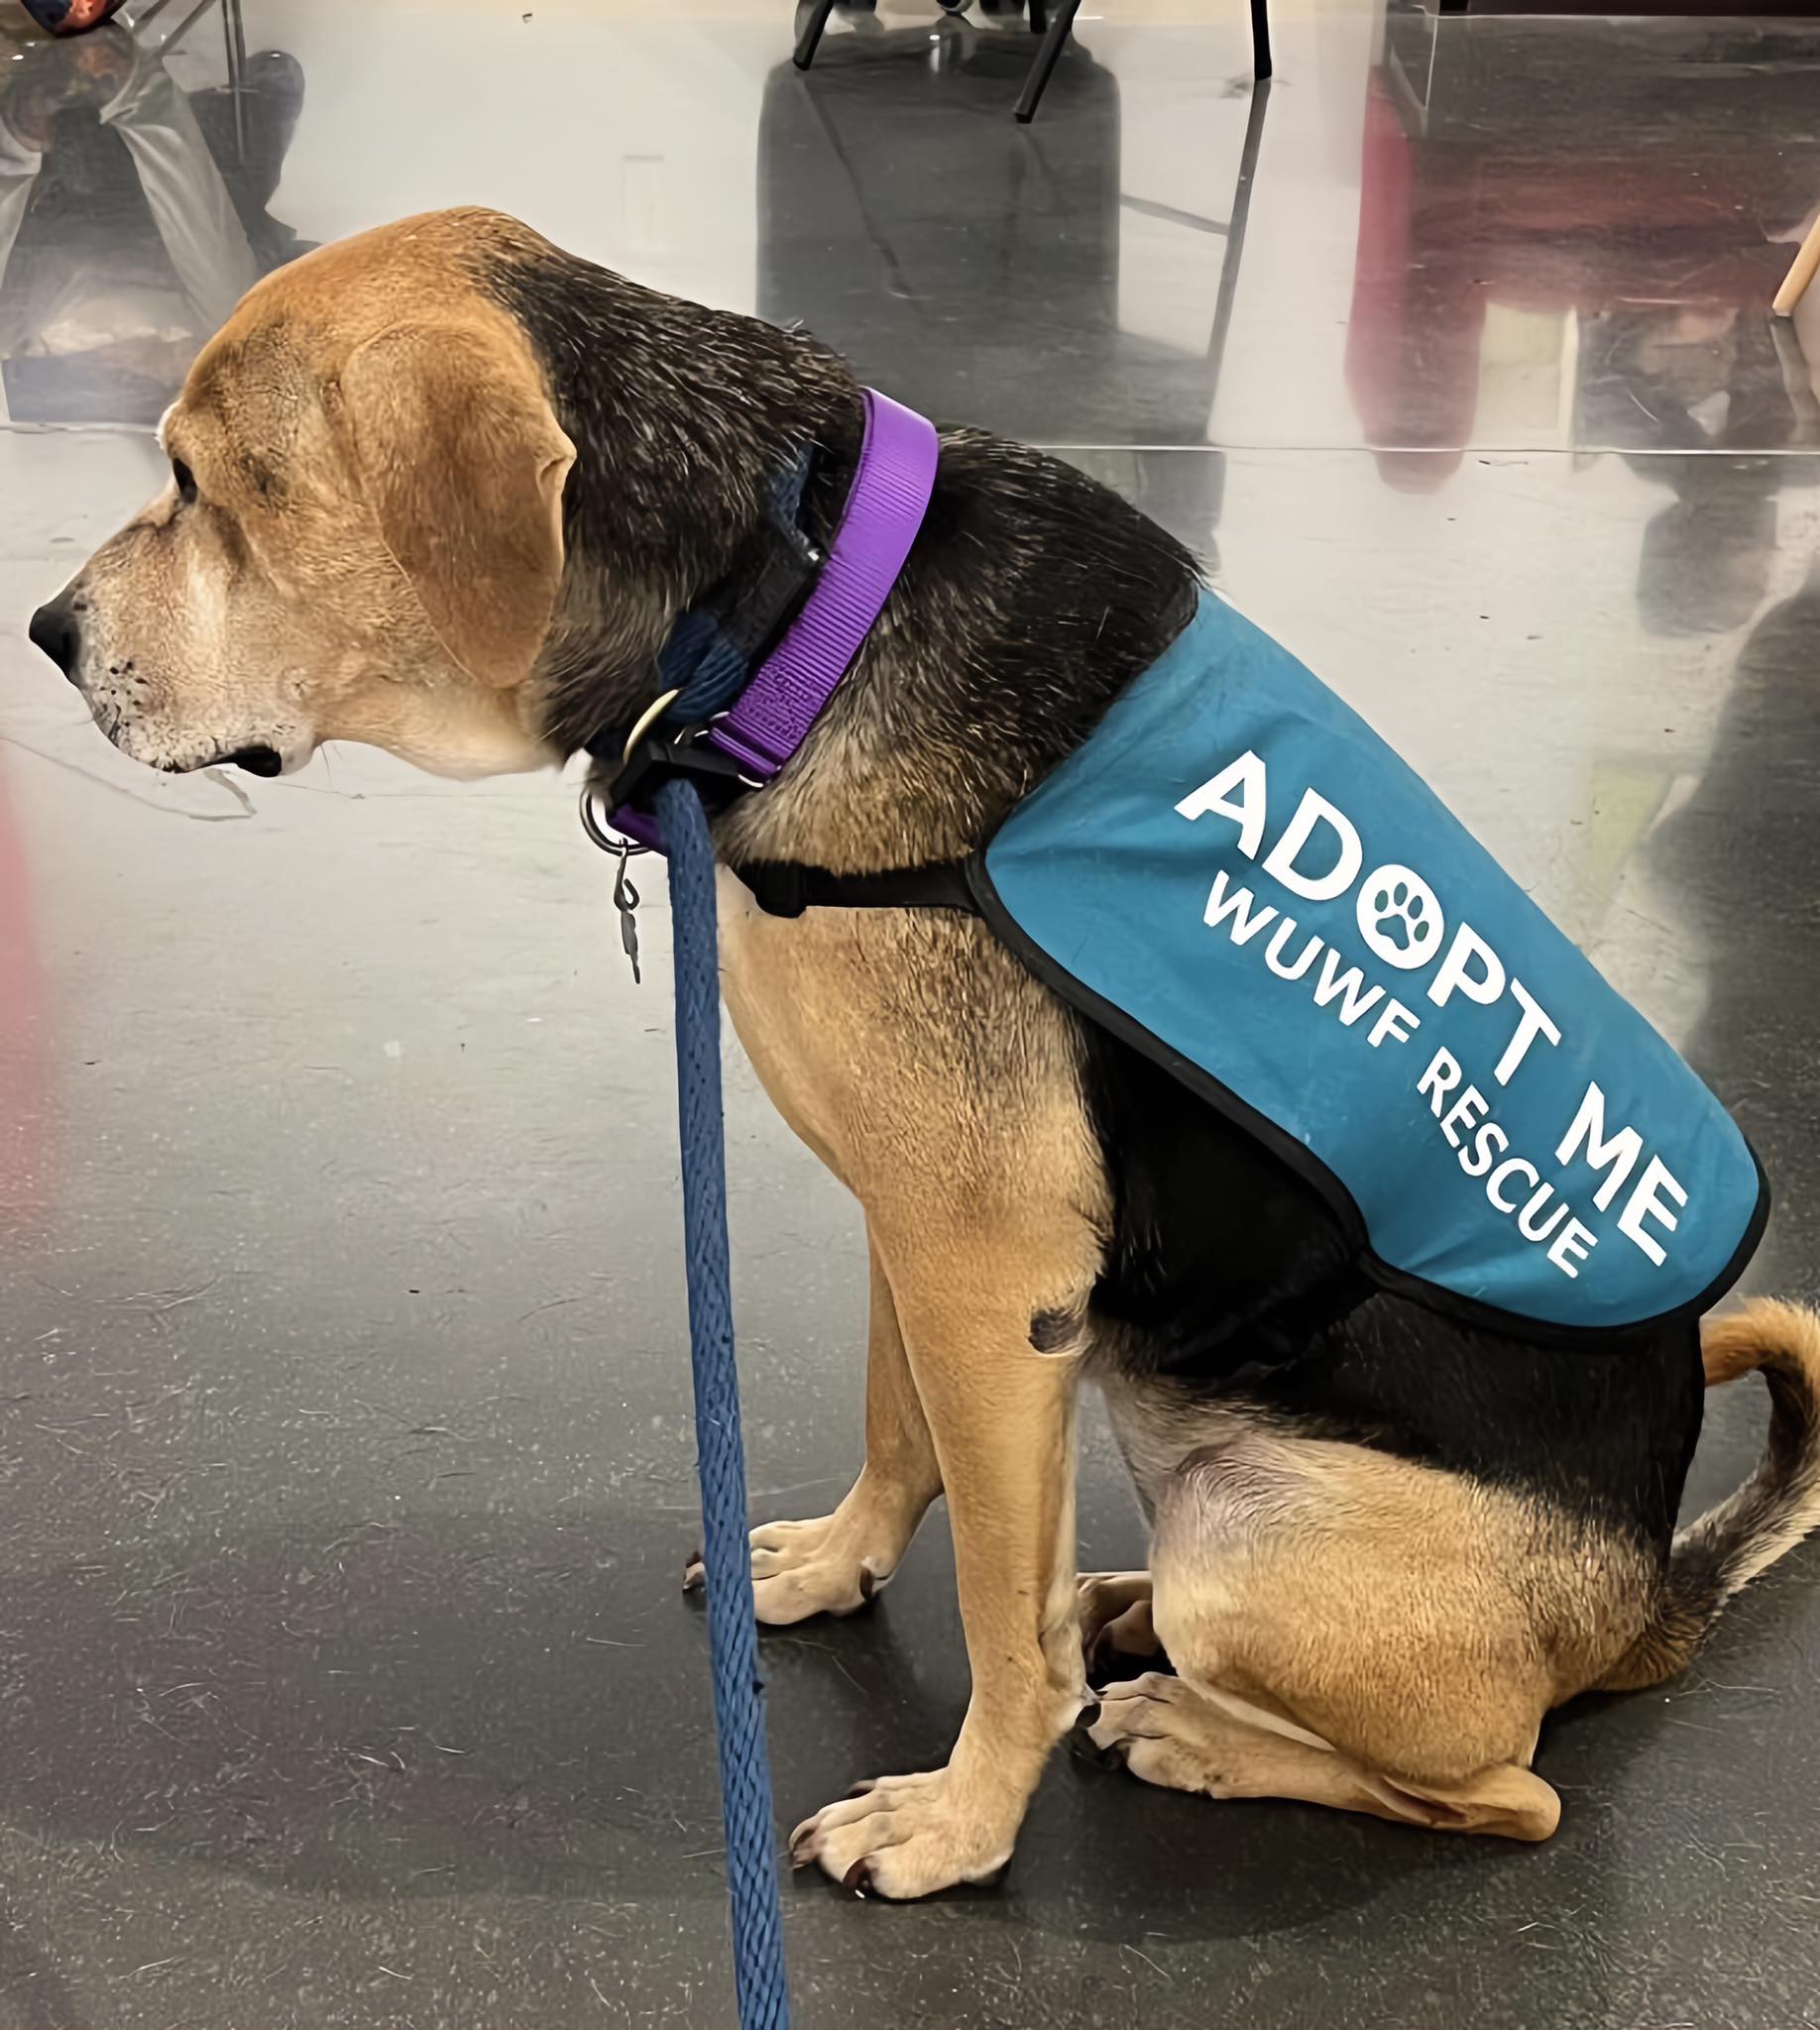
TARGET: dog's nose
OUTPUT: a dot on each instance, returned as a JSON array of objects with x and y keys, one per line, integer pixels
[{"x": 53, "y": 629}]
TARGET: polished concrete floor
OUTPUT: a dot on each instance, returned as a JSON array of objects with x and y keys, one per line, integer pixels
[{"x": 345, "y": 1451}]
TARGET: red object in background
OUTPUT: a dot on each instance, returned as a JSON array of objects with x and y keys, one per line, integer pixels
[
  {"x": 1417, "y": 315},
  {"x": 1506, "y": 190},
  {"x": 70, "y": 16}
]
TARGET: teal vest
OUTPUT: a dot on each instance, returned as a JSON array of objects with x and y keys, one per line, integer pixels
[{"x": 1236, "y": 874}]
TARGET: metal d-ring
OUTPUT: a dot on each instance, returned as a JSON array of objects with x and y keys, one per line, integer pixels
[
  {"x": 649, "y": 718},
  {"x": 603, "y": 836}
]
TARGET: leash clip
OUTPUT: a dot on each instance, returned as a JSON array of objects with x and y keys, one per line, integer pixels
[
  {"x": 622, "y": 850},
  {"x": 625, "y": 901}
]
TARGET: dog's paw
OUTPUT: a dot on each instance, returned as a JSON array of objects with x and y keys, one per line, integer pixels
[
  {"x": 1115, "y": 1622},
  {"x": 909, "y": 1835},
  {"x": 1167, "y": 1732},
  {"x": 808, "y": 1568},
  {"x": 1151, "y": 1723}
]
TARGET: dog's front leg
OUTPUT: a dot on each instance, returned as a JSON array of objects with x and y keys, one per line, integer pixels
[
  {"x": 1003, "y": 1418},
  {"x": 835, "y": 1563}
]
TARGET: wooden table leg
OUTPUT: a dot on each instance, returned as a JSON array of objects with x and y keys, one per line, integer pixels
[{"x": 1806, "y": 266}]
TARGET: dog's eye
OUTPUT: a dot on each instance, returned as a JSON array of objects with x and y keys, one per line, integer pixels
[{"x": 186, "y": 481}]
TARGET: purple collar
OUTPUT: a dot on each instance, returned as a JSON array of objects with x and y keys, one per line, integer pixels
[{"x": 785, "y": 695}]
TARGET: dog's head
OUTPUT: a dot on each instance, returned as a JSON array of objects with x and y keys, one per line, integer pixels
[{"x": 361, "y": 536}]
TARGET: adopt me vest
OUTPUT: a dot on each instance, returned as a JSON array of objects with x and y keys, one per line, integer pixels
[{"x": 1236, "y": 874}]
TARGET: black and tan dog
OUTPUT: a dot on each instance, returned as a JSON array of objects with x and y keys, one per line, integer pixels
[{"x": 445, "y": 489}]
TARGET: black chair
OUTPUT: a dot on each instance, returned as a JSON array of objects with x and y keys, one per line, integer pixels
[{"x": 1054, "y": 31}]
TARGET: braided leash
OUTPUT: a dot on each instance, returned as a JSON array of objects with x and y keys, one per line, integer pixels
[
  {"x": 739, "y": 725},
  {"x": 738, "y": 1712}
]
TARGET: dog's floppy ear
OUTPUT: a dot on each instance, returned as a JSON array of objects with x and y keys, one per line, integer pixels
[{"x": 460, "y": 457}]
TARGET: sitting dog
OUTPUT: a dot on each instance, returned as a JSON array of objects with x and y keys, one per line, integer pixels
[{"x": 445, "y": 489}]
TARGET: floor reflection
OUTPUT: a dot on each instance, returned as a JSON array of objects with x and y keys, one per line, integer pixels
[
  {"x": 133, "y": 216},
  {"x": 1574, "y": 239},
  {"x": 968, "y": 264},
  {"x": 1742, "y": 854},
  {"x": 971, "y": 266}
]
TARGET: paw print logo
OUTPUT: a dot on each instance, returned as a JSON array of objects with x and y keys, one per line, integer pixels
[
  {"x": 1400, "y": 918},
  {"x": 1400, "y": 914}
]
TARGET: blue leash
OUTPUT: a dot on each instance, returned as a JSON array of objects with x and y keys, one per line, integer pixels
[
  {"x": 739, "y": 1711},
  {"x": 745, "y": 722}
]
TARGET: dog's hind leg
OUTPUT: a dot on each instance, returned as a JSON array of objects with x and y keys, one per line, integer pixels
[
  {"x": 1361, "y": 1632},
  {"x": 1115, "y": 1622},
  {"x": 835, "y": 1563},
  {"x": 1184, "y": 1736}
]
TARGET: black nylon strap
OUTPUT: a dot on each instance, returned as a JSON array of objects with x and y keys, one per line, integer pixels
[{"x": 783, "y": 888}]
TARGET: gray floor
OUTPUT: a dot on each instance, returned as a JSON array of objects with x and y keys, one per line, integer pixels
[{"x": 344, "y": 1442}]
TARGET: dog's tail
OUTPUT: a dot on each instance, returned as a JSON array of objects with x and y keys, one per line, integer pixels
[{"x": 1746, "y": 1532}]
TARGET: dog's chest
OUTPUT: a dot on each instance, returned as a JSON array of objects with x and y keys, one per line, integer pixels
[{"x": 784, "y": 991}]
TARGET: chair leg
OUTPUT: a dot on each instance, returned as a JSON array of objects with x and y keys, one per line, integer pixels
[
  {"x": 1032, "y": 95},
  {"x": 1259, "y": 39},
  {"x": 1236, "y": 224},
  {"x": 812, "y": 33},
  {"x": 1039, "y": 18}
]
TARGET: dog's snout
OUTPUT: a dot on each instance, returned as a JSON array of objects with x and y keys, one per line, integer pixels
[{"x": 54, "y": 630}]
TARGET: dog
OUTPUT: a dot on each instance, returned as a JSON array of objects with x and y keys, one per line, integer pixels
[{"x": 444, "y": 489}]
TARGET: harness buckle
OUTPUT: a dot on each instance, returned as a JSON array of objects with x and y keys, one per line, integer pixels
[{"x": 655, "y": 757}]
